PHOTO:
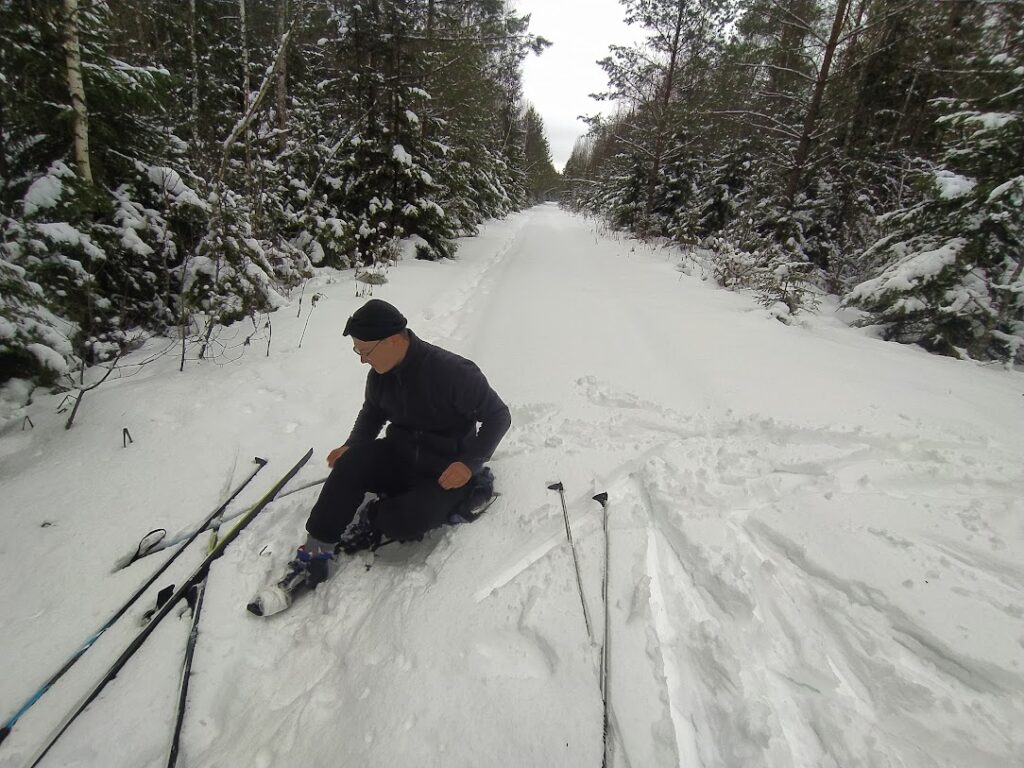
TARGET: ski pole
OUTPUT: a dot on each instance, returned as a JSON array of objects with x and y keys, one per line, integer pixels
[
  {"x": 602, "y": 499},
  {"x": 186, "y": 671},
  {"x": 190, "y": 582},
  {"x": 568, "y": 533},
  {"x": 7, "y": 726},
  {"x": 310, "y": 484},
  {"x": 162, "y": 543},
  {"x": 195, "y": 598}
]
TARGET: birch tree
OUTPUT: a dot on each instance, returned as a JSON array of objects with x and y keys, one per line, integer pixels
[{"x": 79, "y": 110}]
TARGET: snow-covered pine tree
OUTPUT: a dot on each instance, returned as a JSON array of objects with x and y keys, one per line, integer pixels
[
  {"x": 950, "y": 265},
  {"x": 678, "y": 184},
  {"x": 543, "y": 181},
  {"x": 70, "y": 225},
  {"x": 507, "y": 61},
  {"x": 35, "y": 343},
  {"x": 662, "y": 79},
  {"x": 723, "y": 189},
  {"x": 242, "y": 261},
  {"x": 231, "y": 145},
  {"x": 623, "y": 194},
  {"x": 474, "y": 120}
]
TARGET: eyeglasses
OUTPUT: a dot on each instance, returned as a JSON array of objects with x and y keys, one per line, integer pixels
[{"x": 368, "y": 352}]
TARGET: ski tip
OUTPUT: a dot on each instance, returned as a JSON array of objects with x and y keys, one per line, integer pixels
[
  {"x": 4, "y": 733},
  {"x": 269, "y": 601}
]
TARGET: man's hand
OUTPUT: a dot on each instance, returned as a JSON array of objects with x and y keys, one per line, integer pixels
[
  {"x": 456, "y": 476},
  {"x": 336, "y": 454}
]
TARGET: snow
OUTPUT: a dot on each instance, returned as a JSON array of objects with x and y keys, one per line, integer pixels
[
  {"x": 993, "y": 120},
  {"x": 122, "y": 66},
  {"x": 13, "y": 393},
  {"x": 408, "y": 246},
  {"x": 988, "y": 121},
  {"x": 130, "y": 239},
  {"x": 1014, "y": 184},
  {"x": 170, "y": 183},
  {"x": 908, "y": 272},
  {"x": 45, "y": 191},
  {"x": 315, "y": 251},
  {"x": 815, "y": 538},
  {"x": 47, "y": 357},
  {"x": 400, "y": 154},
  {"x": 53, "y": 331},
  {"x": 952, "y": 185},
  {"x": 430, "y": 205},
  {"x": 63, "y": 232},
  {"x": 259, "y": 277}
]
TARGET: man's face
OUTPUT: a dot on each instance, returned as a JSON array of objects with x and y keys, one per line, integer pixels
[{"x": 381, "y": 355}]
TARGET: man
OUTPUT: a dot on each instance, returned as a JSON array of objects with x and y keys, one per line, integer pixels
[{"x": 425, "y": 468}]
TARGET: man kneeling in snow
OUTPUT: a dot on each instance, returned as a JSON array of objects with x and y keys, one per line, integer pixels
[{"x": 427, "y": 468}]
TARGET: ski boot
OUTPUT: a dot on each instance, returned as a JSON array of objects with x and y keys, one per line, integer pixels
[
  {"x": 361, "y": 534},
  {"x": 481, "y": 496},
  {"x": 312, "y": 565}
]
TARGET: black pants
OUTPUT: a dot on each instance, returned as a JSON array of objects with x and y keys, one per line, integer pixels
[{"x": 412, "y": 501}]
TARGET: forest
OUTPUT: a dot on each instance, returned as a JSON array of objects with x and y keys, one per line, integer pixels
[
  {"x": 869, "y": 149},
  {"x": 175, "y": 166}
]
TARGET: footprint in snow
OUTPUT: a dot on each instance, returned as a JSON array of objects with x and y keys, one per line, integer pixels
[{"x": 510, "y": 654}]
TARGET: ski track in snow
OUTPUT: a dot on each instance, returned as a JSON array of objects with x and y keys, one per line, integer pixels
[
  {"x": 788, "y": 586},
  {"x": 778, "y": 660}
]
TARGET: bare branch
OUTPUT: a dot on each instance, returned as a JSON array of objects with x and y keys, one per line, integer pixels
[
  {"x": 777, "y": 68},
  {"x": 770, "y": 123},
  {"x": 83, "y": 390},
  {"x": 629, "y": 143},
  {"x": 243, "y": 124},
  {"x": 879, "y": 21}
]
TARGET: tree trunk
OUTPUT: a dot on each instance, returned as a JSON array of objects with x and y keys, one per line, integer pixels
[
  {"x": 811, "y": 119},
  {"x": 80, "y": 113},
  {"x": 395, "y": 44},
  {"x": 194, "y": 57},
  {"x": 856, "y": 119},
  {"x": 245, "y": 81},
  {"x": 5, "y": 174},
  {"x": 250, "y": 183},
  {"x": 282, "y": 80},
  {"x": 662, "y": 115},
  {"x": 783, "y": 76}
]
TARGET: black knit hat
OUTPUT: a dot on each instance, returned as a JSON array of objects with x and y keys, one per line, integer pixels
[{"x": 375, "y": 320}]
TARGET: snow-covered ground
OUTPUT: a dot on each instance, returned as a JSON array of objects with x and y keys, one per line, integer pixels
[{"x": 816, "y": 539}]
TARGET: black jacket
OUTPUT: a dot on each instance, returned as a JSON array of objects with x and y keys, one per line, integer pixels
[{"x": 433, "y": 400}]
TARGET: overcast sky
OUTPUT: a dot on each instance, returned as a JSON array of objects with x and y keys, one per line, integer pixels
[{"x": 559, "y": 80}]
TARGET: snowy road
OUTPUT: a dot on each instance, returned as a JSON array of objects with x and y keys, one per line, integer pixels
[{"x": 817, "y": 539}]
